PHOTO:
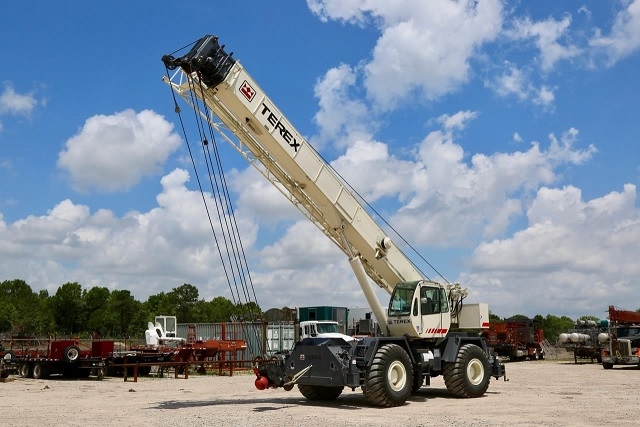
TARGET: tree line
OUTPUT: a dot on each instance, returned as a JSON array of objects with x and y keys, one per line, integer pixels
[{"x": 100, "y": 312}]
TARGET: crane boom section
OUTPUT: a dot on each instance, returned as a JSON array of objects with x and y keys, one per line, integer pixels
[{"x": 271, "y": 143}]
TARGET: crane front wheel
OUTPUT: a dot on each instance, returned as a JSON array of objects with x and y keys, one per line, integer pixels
[
  {"x": 470, "y": 374},
  {"x": 389, "y": 380}
]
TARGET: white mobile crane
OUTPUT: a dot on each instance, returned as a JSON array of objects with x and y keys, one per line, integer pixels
[{"x": 418, "y": 342}]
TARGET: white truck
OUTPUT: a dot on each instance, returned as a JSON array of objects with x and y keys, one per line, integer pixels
[
  {"x": 418, "y": 342},
  {"x": 322, "y": 329}
]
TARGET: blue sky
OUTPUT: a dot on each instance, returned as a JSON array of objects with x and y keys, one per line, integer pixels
[{"x": 499, "y": 138}]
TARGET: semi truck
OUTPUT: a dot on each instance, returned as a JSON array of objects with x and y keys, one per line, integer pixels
[
  {"x": 425, "y": 326},
  {"x": 621, "y": 343}
]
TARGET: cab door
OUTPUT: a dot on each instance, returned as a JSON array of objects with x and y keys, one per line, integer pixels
[{"x": 433, "y": 311}]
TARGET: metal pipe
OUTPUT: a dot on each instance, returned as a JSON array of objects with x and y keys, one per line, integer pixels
[{"x": 369, "y": 293}]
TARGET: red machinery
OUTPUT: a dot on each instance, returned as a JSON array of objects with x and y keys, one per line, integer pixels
[
  {"x": 516, "y": 338},
  {"x": 64, "y": 357},
  {"x": 621, "y": 344}
]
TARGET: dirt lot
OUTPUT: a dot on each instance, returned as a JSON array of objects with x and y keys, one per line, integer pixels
[{"x": 538, "y": 393}]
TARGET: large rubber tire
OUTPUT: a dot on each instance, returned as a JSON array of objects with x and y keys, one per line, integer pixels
[
  {"x": 470, "y": 374},
  {"x": 318, "y": 392},
  {"x": 25, "y": 371},
  {"x": 39, "y": 371},
  {"x": 389, "y": 379},
  {"x": 607, "y": 365},
  {"x": 71, "y": 354}
]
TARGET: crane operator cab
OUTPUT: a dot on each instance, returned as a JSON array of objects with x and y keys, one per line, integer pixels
[{"x": 419, "y": 309}]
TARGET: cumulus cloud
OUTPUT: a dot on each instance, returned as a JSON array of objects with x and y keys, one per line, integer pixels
[
  {"x": 113, "y": 152},
  {"x": 15, "y": 103},
  {"x": 458, "y": 120},
  {"x": 145, "y": 252},
  {"x": 513, "y": 81},
  {"x": 624, "y": 37},
  {"x": 347, "y": 11},
  {"x": 259, "y": 200},
  {"x": 454, "y": 200},
  {"x": 571, "y": 252},
  {"x": 546, "y": 35},
  {"x": 425, "y": 47}
]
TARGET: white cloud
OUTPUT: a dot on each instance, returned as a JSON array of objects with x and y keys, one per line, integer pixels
[
  {"x": 572, "y": 253},
  {"x": 513, "y": 81},
  {"x": 144, "y": 252},
  {"x": 516, "y": 82},
  {"x": 424, "y": 48},
  {"x": 369, "y": 167},
  {"x": 259, "y": 200},
  {"x": 546, "y": 34},
  {"x": 343, "y": 10},
  {"x": 453, "y": 201},
  {"x": 15, "y": 103},
  {"x": 624, "y": 38},
  {"x": 458, "y": 120},
  {"x": 114, "y": 152},
  {"x": 340, "y": 114}
]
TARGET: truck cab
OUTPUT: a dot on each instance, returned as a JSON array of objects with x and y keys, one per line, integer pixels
[{"x": 322, "y": 329}]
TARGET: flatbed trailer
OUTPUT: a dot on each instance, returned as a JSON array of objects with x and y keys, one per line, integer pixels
[
  {"x": 62, "y": 357},
  {"x": 118, "y": 361}
]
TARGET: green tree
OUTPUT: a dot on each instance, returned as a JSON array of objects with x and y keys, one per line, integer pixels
[
  {"x": 139, "y": 321},
  {"x": 248, "y": 312},
  {"x": 162, "y": 304},
  {"x": 122, "y": 307},
  {"x": 553, "y": 326},
  {"x": 7, "y": 315},
  {"x": 220, "y": 310},
  {"x": 97, "y": 312},
  {"x": 493, "y": 318},
  {"x": 22, "y": 310},
  {"x": 186, "y": 299},
  {"x": 68, "y": 308}
]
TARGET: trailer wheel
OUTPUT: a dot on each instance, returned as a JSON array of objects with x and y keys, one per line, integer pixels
[
  {"x": 71, "y": 354},
  {"x": 25, "y": 370},
  {"x": 39, "y": 371},
  {"x": 607, "y": 365},
  {"x": 390, "y": 377},
  {"x": 469, "y": 375},
  {"x": 318, "y": 392}
]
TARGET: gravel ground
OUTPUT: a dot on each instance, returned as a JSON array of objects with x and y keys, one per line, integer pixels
[{"x": 537, "y": 393}]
